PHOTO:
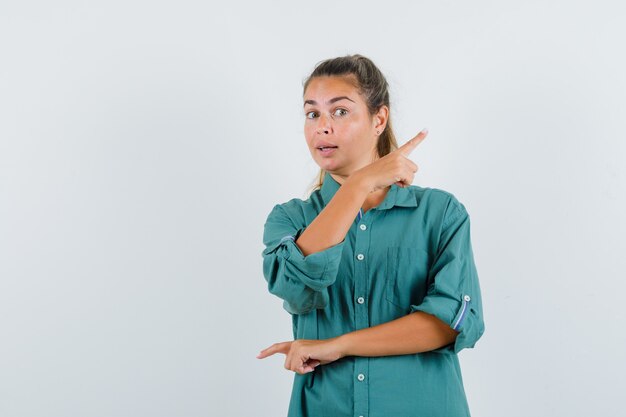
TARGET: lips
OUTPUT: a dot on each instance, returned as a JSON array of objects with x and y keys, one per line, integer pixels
[
  {"x": 324, "y": 145},
  {"x": 326, "y": 151}
]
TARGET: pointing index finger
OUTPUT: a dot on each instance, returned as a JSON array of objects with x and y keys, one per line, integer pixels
[
  {"x": 413, "y": 142},
  {"x": 275, "y": 348}
]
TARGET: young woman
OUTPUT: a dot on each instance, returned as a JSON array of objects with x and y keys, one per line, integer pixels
[{"x": 377, "y": 274}]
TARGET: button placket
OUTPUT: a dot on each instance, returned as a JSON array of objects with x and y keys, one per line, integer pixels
[{"x": 361, "y": 316}]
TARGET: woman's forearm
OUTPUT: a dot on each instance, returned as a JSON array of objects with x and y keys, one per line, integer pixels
[
  {"x": 414, "y": 333},
  {"x": 332, "y": 224}
]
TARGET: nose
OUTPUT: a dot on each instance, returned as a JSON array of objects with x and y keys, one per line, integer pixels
[{"x": 323, "y": 125}]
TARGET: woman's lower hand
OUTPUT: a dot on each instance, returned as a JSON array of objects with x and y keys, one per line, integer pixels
[{"x": 303, "y": 355}]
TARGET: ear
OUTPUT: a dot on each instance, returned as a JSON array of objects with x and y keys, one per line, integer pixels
[{"x": 380, "y": 118}]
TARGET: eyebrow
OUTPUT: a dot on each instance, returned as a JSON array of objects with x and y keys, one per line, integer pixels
[{"x": 331, "y": 101}]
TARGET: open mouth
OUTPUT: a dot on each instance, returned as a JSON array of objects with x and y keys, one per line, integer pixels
[{"x": 323, "y": 148}]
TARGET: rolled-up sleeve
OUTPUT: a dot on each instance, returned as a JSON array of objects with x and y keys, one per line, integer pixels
[
  {"x": 454, "y": 294},
  {"x": 300, "y": 281}
]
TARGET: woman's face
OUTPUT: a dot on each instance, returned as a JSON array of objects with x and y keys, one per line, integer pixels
[{"x": 336, "y": 116}]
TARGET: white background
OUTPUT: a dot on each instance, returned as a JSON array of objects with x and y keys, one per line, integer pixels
[{"x": 142, "y": 145}]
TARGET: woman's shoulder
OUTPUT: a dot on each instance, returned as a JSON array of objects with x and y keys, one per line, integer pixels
[
  {"x": 437, "y": 198},
  {"x": 295, "y": 206},
  {"x": 433, "y": 193}
]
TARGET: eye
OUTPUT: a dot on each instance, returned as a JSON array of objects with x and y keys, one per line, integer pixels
[
  {"x": 343, "y": 110},
  {"x": 307, "y": 114}
]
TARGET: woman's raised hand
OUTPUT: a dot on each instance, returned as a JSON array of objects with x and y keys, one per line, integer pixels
[{"x": 395, "y": 167}]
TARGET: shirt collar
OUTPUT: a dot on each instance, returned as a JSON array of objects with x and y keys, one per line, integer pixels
[{"x": 396, "y": 196}]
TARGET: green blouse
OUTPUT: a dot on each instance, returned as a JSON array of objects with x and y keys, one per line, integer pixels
[{"x": 410, "y": 253}]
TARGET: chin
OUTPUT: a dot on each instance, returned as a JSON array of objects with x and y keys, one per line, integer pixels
[{"x": 325, "y": 165}]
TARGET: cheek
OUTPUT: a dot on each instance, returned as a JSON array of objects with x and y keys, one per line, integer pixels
[
  {"x": 309, "y": 133},
  {"x": 309, "y": 141},
  {"x": 351, "y": 130}
]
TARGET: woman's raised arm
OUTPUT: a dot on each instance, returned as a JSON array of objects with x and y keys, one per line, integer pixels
[{"x": 300, "y": 263}]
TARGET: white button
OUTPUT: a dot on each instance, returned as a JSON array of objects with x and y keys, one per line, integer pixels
[
  {"x": 360, "y": 256},
  {"x": 360, "y": 300},
  {"x": 361, "y": 377},
  {"x": 363, "y": 227},
  {"x": 467, "y": 297}
]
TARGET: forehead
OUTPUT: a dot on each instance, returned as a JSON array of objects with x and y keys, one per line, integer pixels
[{"x": 321, "y": 89}]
